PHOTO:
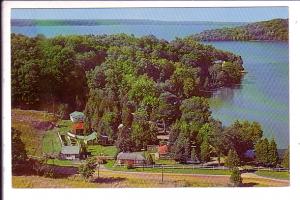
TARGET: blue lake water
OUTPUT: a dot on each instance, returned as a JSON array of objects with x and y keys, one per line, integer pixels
[
  {"x": 168, "y": 32},
  {"x": 263, "y": 95}
]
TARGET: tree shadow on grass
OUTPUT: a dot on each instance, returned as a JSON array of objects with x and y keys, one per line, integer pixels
[
  {"x": 251, "y": 184},
  {"x": 108, "y": 180}
]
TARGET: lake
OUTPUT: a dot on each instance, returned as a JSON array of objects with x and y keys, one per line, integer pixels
[
  {"x": 264, "y": 92},
  {"x": 166, "y": 31},
  {"x": 263, "y": 95}
]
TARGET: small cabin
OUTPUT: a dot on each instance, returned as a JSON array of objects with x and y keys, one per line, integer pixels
[
  {"x": 133, "y": 158},
  {"x": 70, "y": 152}
]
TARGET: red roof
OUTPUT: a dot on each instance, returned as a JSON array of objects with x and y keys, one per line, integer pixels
[
  {"x": 77, "y": 126},
  {"x": 163, "y": 149}
]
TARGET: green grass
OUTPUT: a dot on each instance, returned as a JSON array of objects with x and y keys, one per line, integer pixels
[
  {"x": 166, "y": 162},
  {"x": 110, "y": 165},
  {"x": 99, "y": 149},
  {"x": 273, "y": 174},
  {"x": 58, "y": 162},
  {"x": 65, "y": 126},
  {"x": 51, "y": 143}
]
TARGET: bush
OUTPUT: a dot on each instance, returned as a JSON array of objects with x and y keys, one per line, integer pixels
[
  {"x": 88, "y": 168},
  {"x": 236, "y": 178}
]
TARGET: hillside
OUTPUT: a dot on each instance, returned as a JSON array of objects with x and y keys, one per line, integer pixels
[
  {"x": 272, "y": 30},
  {"x": 33, "y": 125}
]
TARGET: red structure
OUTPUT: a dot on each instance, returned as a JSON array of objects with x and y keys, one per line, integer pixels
[{"x": 78, "y": 128}]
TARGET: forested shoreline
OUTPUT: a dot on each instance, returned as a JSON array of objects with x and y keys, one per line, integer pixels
[
  {"x": 272, "y": 30},
  {"x": 139, "y": 83}
]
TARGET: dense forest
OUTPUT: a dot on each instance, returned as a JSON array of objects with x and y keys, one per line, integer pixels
[
  {"x": 141, "y": 83},
  {"x": 272, "y": 30}
]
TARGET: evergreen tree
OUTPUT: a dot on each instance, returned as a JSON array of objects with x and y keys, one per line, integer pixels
[
  {"x": 286, "y": 159},
  {"x": 205, "y": 151},
  {"x": 262, "y": 151},
  {"x": 19, "y": 156},
  {"x": 235, "y": 177},
  {"x": 232, "y": 159},
  {"x": 273, "y": 153},
  {"x": 88, "y": 168}
]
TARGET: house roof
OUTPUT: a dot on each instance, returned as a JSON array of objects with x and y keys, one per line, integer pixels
[
  {"x": 130, "y": 156},
  {"x": 70, "y": 150},
  {"x": 76, "y": 114}
]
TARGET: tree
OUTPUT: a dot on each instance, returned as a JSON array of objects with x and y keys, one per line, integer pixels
[
  {"x": 62, "y": 111},
  {"x": 87, "y": 169},
  {"x": 19, "y": 155},
  {"x": 235, "y": 177},
  {"x": 124, "y": 142},
  {"x": 205, "y": 150},
  {"x": 273, "y": 153},
  {"x": 195, "y": 109},
  {"x": 242, "y": 136},
  {"x": 286, "y": 159},
  {"x": 262, "y": 151},
  {"x": 232, "y": 159},
  {"x": 150, "y": 160}
]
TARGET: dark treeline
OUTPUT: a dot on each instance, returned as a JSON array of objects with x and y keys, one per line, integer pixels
[
  {"x": 272, "y": 30},
  {"x": 129, "y": 88}
]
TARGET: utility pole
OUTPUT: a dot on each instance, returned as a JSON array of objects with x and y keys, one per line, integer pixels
[
  {"x": 52, "y": 152},
  {"x": 162, "y": 173}
]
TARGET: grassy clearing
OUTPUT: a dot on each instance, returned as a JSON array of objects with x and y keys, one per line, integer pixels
[
  {"x": 58, "y": 162},
  {"x": 113, "y": 180},
  {"x": 65, "y": 126},
  {"x": 105, "y": 150},
  {"x": 51, "y": 143},
  {"x": 110, "y": 165},
  {"x": 272, "y": 174},
  {"x": 32, "y": 124}
]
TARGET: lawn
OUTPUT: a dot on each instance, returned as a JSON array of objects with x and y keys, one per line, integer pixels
[
  {"x": 110, "y": 165},
  {"x": 58, "y": 162},
  {"x": 51, "y": 143},
  {"x": 274, "y": 174},
  {"x": 105, "y": 150}
]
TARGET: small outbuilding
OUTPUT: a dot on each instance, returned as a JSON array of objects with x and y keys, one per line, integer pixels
[
  {"x": 134, "y": 158},
  {"x": 70, "y": 152},
  {"x": 77, "y": 117}
]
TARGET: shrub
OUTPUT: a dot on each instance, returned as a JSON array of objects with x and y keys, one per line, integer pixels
[
  {"x": 88, "y": 168},
  {"x": 232, "y": 160},
  {"x": 236, "y": 178}
]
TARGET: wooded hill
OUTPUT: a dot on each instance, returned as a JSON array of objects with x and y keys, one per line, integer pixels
[
  {"x": 136, "y": 82},
  {"x": 272, "y": 30}
]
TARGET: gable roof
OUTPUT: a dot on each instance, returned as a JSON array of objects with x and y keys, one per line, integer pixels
[
  {"x": 130, "y": 156},
  {"x": 76, "y": 114},
  {"x": 70, "y": 149}
]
